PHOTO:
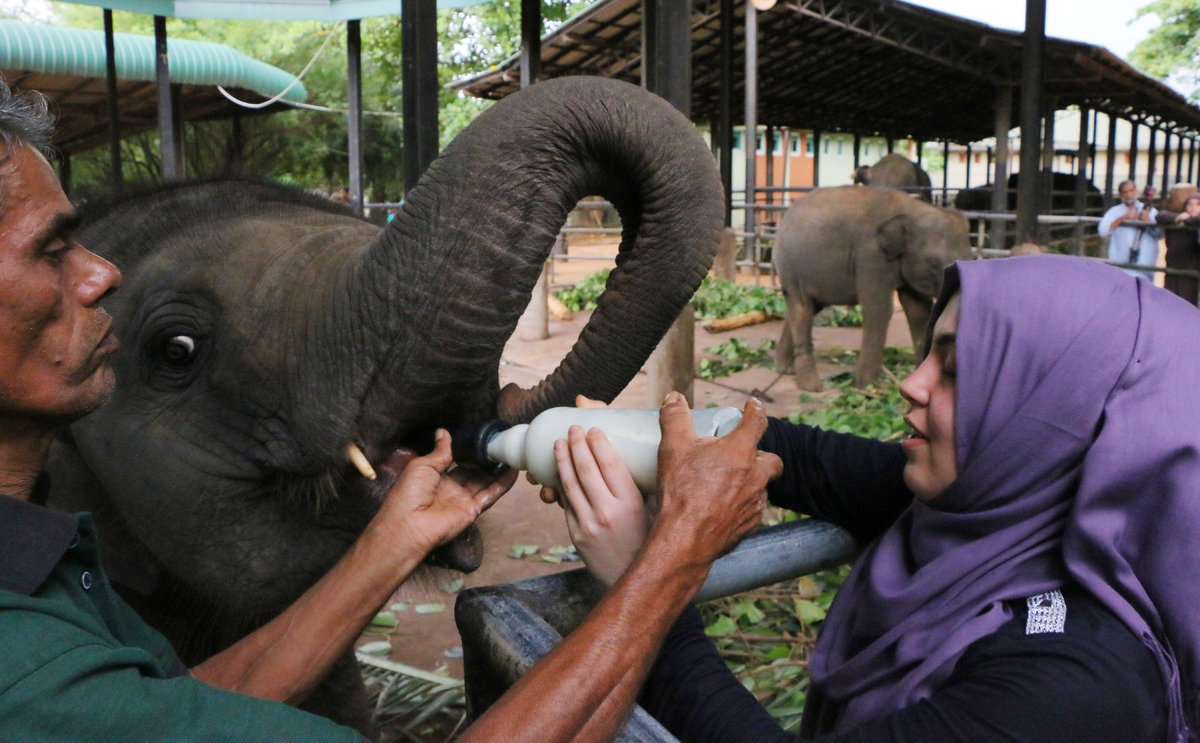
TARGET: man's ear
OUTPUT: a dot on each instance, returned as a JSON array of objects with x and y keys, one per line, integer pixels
[
  {"x": 75, "y": 488},
  {"x": 893, "y": 236}
]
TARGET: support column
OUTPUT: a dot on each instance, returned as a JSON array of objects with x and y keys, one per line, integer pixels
[
  {"x": 816, "y": 158},
  {"x": 769, "y": 139},
  {"x": 857, "y": 152},
  {"x": 1152, "y": 158},
  {"x": 534, "y": 324},
  {"x": 168, "y": 147},
  {"x": 891, "y": 144},
  {"x": 354, "y": 112},
  {"x": 967, "y": 182},
  {"x": 946, "y": 173},
  {"x": 1110, "y": 161},
  {"x": 1003, "y": 124},
  {"x": 177, "y": 126},
  {"x": 987, "y": 166},
  {"x": 114, "y": 119},
  {"x": 1191, "y": 159},
  {"x": 1032, "y": 83},
  {"x": 1134, "y": 125},
  {"x": 1178, "y": 157},
  {"x": 1081, "y": 168},
  {"x": 667, "y": 31},
  {"x": 725, "y": 115},
  {"x": 419, "y": 86},
  {"x": 531, "y": 42},
  {"x": 750, "y": 132},
  {"x": 1166, "y": 173}
]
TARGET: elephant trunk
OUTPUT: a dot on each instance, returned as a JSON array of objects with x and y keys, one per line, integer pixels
[{"x": 428, "y": 307}]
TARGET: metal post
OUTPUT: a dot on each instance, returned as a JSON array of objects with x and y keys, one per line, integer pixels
[
  {"x": 785, "y": 140},
  {"x": 1152, "y": 158},
  {"x": 946, "y": 173},
  {"x": 1003, "y": 125},
  {"x": 531, "y": 42},
  {"x": 987, "y": 166},
  {"x": 750, "y": 132},
  {"x": 177, "y": 128},
  {"x": 166, "y": 112},
  {"x": 419, "y": 86},
  {"x": 114, "y": 121},
  {"x": 1092, "y": 148},
  {"x": 1110, "y": 161},
  {"x": 725, "y": 115},
  {"x": 1081, "y": 163},
  {"x": 770, "y": 162},
  {"x": 1178, "y": 157},
  {"x": 857, "y": 152},
  {"x": 1032, "y": 83},
  {"x": 1191, "y": 159},
  {"x": 667, "y": 34},
  {"x": 354, "y": 111},
  {"x": 1166, "y": 175},
  {"x": 1134, "y": 125},
  {"x": 816, "y": 158},
  {"x": 967, "y": 183}
]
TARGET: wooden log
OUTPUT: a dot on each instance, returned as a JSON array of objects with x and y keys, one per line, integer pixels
[{"x": 754, "y": 317}]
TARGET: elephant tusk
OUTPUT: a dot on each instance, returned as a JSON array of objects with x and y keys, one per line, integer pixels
[{"x": 360, "y": 461}]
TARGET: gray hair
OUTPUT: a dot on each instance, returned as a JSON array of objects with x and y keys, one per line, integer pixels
[
  {"x": 25, "y": 119},
  {"x": 1127, "y": 181}
]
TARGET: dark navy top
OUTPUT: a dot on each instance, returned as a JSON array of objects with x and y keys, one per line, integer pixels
[{"x": 1093, "y": 683}]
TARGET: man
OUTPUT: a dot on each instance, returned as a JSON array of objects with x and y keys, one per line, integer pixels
[
  {"x": 76, "y": 664},
  {"x": 1129, "y": 243}
]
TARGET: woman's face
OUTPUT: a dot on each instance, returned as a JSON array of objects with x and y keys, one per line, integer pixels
[
  {"x": 930, "y": 391},
  {"x": 1192, "y": 207}
]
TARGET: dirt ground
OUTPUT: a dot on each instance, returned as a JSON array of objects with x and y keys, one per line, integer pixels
[{"x": 429, "y": 640}]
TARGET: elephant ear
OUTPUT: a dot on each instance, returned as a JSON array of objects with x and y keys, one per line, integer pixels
[
  {"x": 74, "y": 488},
  {"x": 893, "y": 237}
]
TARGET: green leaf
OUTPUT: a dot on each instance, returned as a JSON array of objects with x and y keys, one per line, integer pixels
[
  {"x": 521, "y": 550},
  {"x": 778, "y": 652},
  {"x": 809, "y": 611},
  {"x": 379, "y": 648},
  {"x": 748, "y": 611},
  {"x": 550, "y": 558},
  {"x": 384, "y": 619},
  {"x": 453, "y": 586},
  {"x": 429, "y": 608},
  {"x": 723, "y": 626}
]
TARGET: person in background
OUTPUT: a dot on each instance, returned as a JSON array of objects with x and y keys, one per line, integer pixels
[
  {"x": 1183, "y": 241},
  {"x": 1127, "y": 243}
]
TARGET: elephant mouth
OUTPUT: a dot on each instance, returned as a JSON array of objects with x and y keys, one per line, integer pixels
[{"x": 463, "y": 553}]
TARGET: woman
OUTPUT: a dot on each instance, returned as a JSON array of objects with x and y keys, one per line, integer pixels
[
  {"x": 1183, "y": 245},
  {"x": 1032, "y": 549}
]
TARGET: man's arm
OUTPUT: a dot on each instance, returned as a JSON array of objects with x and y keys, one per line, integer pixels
[
  {"x": 288, "y": 657},
  {"x": 713, "y": 494}
]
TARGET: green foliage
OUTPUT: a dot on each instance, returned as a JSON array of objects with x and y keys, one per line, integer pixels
[
  {"x": 839, "y": 316},
  {"x": 876, "y": 412},
  {"x": 718, "y": 298},
  {"x": 585, "y": 294},
  {"x": 734, "y": 355},
  {"x": 1172, "y": 49}
]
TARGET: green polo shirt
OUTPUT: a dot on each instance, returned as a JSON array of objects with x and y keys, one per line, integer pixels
[{"x": 77, "y": 664}]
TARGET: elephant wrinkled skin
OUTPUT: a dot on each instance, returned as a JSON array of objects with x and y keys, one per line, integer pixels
[
  {"x": 264, "y": 331},
  {"x": 858, "y": 245},
  {"x": 896, "y": 171}
]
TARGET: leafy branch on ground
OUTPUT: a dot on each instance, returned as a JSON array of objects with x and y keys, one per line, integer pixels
[
  {"x": 715, "y": 299},
  {"x": 734, "y": 355},
  {"x": 875, "y": 412},
  {"x": 839, "y": 316}
]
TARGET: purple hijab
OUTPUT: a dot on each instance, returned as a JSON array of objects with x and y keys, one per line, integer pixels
[{"x": 1078, "y": 428}]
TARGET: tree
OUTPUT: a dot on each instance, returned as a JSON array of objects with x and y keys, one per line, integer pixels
[{"x": 1171, "y": 52}]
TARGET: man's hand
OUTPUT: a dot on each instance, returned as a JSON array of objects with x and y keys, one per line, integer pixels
[
  {"x": 428, "y": 507},
  {"x": 1145, "y": 215},
  {"x": 713, "y": 490}
]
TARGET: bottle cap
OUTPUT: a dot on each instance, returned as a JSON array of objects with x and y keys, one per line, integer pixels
[{"x": 468, "y": 444}]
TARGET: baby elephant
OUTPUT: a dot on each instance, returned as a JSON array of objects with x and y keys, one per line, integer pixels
[{"x": 857, "y": 245}]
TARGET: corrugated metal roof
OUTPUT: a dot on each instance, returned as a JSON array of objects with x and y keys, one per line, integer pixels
[
  {"x": 268, "y": 10},
  {"x": 79, "y": 53}
]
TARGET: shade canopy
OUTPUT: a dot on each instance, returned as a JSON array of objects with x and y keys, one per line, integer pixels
[
  {"x": 68, "y": 66},
  {"x": 867, "y": 66},
  {"x": 268, "y": 10}
]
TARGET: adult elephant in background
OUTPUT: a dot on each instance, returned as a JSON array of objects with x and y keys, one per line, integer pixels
[
  {"x": 265, "y": 333},
  {"x": 896, "y": 171},
  {"x": 858, "y": 245}
]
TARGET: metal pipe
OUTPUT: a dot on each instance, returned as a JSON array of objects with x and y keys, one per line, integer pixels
[
  {"x": 1191, "y": 158},
  {"x": 725, "y": 115},
  {"x": 1110, "y": 161},
  {"x": 857, "y": 152},
  {"x": 1166, "y": 174},
  {"x": 1081, "y": 158},
  {"x": 419, "y": 86},
  {"x": 967, "y": 182},
  {"x": 531, "y": 42},
  {"x": 750, "y": 133},
  {"x": 1134, "y": 125},
  {"x": 816, "y": 158},
  {"x": 166, "y": 111},
  {"x": 1178, "y": 157},
  {"x": 770, "y": 161},
  {"x": 1152, "y": 158},
  {"x": 354, "y": 111},
  {"x": 1003, "y": 125},
  {"x": 114, "y": 119},
  {"x": 945, "y": 172},
  {"x": 1032, "y": 83}
]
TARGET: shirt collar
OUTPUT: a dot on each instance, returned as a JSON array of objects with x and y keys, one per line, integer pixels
[{"x": 32, "y": 541}]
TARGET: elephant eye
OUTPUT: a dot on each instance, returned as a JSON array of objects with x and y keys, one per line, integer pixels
[{"x": 179, "y": 349}]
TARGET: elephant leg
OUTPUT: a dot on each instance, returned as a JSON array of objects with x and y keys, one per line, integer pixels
[
  {"x": 917, "y": 309},
  {"x": 341, "y": 697},
  {"x": 798, "y": 334},
  {"x": 877, "y": 313}
]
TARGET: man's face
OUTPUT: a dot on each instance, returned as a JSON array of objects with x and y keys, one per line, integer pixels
[
  {"x": 1192, "y": 207},
  {"x": 1129, "y": 194},
  {"x": 55, "y": 340}
]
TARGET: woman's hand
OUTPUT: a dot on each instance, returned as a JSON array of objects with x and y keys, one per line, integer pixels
[
  {"x": 606, "y": 515},
  {"x": 429, "y": 507}
]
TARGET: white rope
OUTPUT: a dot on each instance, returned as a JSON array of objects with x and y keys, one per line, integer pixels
[
  {"x": 328, "y": 110},
  {"x": 295, "y": 81}
]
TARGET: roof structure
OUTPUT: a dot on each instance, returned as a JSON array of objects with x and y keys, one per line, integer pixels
[
  {"x": 869, "y": 66},
  {"x": 268, "y": 10},
  {"x": 68, "y": 66}
]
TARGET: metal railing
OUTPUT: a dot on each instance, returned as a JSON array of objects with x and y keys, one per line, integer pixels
[{"x": 507, "y": 628}]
